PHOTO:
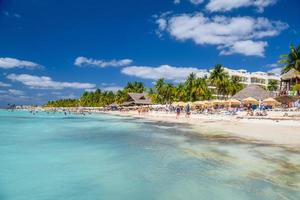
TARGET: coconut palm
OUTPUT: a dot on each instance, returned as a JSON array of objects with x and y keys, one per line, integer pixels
[
  {"x": 200, "y": 90},
  {"x": 220, "y": 79},
  {"x": 291, "y": 60},
  {"x": 235, "y": 85},
  {"x": 180, "y": 92},
  {"x": 189, "y": 85},
  {"x": 272, "y": 85},
  {"x": 134, "y": 87}
]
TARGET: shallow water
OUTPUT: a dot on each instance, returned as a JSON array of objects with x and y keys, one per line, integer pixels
[{"x": 52, "y": 156}]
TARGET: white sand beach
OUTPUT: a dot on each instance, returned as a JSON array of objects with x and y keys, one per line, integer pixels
[{"x": 281, "y": 131}]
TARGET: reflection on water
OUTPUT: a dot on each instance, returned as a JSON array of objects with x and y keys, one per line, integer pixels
[{"x": 52, "y": 156}]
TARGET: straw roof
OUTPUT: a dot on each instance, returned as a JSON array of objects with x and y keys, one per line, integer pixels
[
  {"x": 254, "y": 91},
  {"x": 137, "y": 99},
  {"x": 270, "y": 101},
  {"x": 291, "y": 74},
  {"x": 250, "y": 100},
  {"x": 199, "y": 103},
  {"x": 180, "y": 103},
  {"x": 286, "y": 99},
  {"x": 233, "y": 102},
  {"x": 216, "y": 101}
]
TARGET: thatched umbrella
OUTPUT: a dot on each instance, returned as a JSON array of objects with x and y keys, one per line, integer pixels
[
  {"x": 198, "y": 103},
  {"x": 286, "y": 99},
  {"x": 180, "y": 103},
  {"x": 250, "y": 100},
  {"x": 233, "y": 102},
  {"x": 216, "y": 101},
  {"x": 254, "y": 91},
  {"x": 270, "y": 102}
]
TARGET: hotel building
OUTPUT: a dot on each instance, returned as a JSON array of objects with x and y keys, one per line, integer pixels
[{"x": 245, "y": 77}]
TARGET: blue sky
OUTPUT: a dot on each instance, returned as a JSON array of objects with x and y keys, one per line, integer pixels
[{"x": 57, "y": 49}]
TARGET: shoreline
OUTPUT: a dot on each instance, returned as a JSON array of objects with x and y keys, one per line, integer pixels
[
  {"x": 259, "y": 131},
  {"x": 274, "y": 129}
]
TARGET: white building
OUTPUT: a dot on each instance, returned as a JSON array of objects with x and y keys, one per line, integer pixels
[{"x": 257, "y": 78}]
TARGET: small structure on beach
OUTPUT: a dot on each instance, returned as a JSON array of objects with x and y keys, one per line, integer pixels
[
  {"x": 288, "y": 80},
  {"x": 254, "y": 91},
  {"x": 137, "y": 99}
]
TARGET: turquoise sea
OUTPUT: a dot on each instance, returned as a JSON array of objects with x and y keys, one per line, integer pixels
[{"x": 57, "y": 157}]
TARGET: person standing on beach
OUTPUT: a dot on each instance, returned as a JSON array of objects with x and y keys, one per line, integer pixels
[
  {"x": 187, "y": 111},
  {"x": 178, "y": 109}
]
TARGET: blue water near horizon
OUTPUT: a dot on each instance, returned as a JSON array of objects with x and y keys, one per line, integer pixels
[{"x": 53, "y": 156}]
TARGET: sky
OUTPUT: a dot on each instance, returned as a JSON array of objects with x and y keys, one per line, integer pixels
[{"x": 53, "y": 49}]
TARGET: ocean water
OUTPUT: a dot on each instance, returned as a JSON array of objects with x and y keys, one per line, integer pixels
[{"x": 73, "y": 157}]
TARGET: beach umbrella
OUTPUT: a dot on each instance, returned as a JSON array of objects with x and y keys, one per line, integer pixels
[
  {"x": 233, "y": 102},
  {"x": 216, "y": 101},
  {"x": 180, "y": 103},
  {"x": 270, "y": 102},
  {"x": 250, "y": 100},
  {"x": 199, "y": 103}
]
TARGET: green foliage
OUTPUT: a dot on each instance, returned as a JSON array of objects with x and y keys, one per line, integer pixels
[
  {"x": 291, "y": 60},
  {"x": 63, "y": 103},
  {"x": 297, "y": 87},
  {"x": 193, "y": 89},
  {"x": 272, "y": 85}
]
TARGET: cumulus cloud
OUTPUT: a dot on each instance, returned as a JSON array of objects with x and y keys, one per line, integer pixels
[
  {"x": 44, "y": 82},
  {"x": 112, "y": 88},
  {"x": 4, "y": 84},
  {"x": 252, "y": 48},
  {"x": 167, "y": 72},
  {"x": 16, "y": 92},
  {"x": 276, "y": 70},
  {"x": 196, "y": 1},
  {"x": 229, "y": 34},
  {"x": 227, "y": 5},
  {"x": 9, "y": 63},
  {"x": 83, "y": 61}
]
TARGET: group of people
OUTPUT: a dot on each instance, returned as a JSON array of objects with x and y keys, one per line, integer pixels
[{"x": 187, "y": 111}]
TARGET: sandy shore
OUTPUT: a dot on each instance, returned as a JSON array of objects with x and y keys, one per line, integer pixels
[{"x": 277, "y": 132}]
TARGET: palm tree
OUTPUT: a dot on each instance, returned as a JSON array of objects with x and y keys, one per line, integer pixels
[
  {"x": 134, "y": 87},
  {"x": 235, "y": 85},
  {"x": 159, "y": 90},
  {"x": 200, "y": 90},
  {"x": 291, "y": 60},
  {"x": 272, "y": 85},
  {"x": 180, "y": 92},
  {"x": 220, "y": 79},
  {"x": 189, "y": 85}
]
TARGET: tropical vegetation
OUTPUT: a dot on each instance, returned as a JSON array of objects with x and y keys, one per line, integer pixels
[
  {"x": 218, "y": 85},
  {"x": 291, "y": 60}
]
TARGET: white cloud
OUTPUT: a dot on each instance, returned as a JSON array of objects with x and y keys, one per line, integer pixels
[
  {"x": 112, "y": 88},
  {"x": 276, "y": 70},
  {"x": 9, "y": 63},
  {"x": 247, "y": 47},
  {"x": 4, "y": 84},
  {"x": 196, "y": 1},
  {"x": 227, "y": 5},
  {"x": 83, "y": 61},
  {"x": 44, "y": 82},
  {"x": 229, "y": 34},
  {"x": 16, "y": 92},
  {"x": 164, "y": 71}
]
